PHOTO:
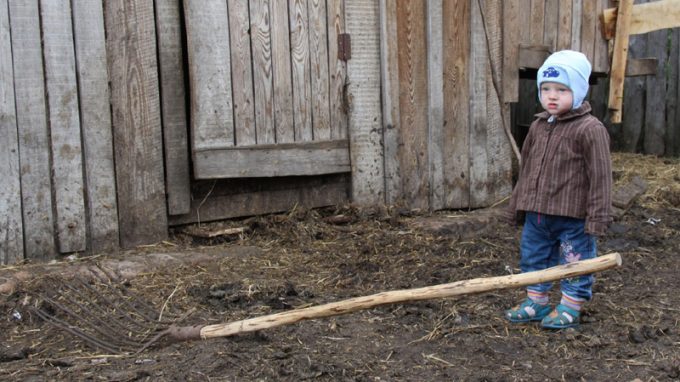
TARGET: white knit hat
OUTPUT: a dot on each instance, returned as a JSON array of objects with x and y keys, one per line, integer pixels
[{"x": 569, "y": 68}]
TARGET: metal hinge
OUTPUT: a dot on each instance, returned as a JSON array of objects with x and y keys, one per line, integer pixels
[{"x": 344, "y": 47}]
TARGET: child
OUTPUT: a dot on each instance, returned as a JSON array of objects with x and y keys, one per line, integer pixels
[{"x": 563, "y": 193}]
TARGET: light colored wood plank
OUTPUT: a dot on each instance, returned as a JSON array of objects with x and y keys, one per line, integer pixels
[
  {"x": 588, "y": 28},
  {"x": 619, "y": 57},
  {"x": 212, "y": 119},
  {"x": 173, "y": 106},
  {"x": 11, "y": 225},
  {"x": 318, "y": 54},
  {"x": 647, "y": 17},
  {"x": 337, "y": 70},
  {"x": 62, "y": 99},
  {"x": 457, "y": 67},
  {"x": 511, "y": 31},
  {"x": 551, "y": 23},
  {"x": 655, "y": 113},
  {"x": 131, "y": 48},
  {"x": 537, "y": 22},
  {"x": 282, "y": 159},
  {"x": 95, "y": 114},
  {"x": 533, "y": 56},
  {"x": 576, "y": 20},
  {"x": 435, "y": 95},
  {"x": 479, "y": 61},
  {"x": 524, "y": 9},
  {"x": 363, "y": 92},
  {"x": 281, "y": 70},
  {"x": 260, "y": 34},
  {"x": 413, "y": 153},
  {"x": 389, "y": 73},
  {"x": 242, "y": 73},
  {"x": 564, "y": 32},
  {"x": 29, "y": 88},
  {"x": 301, "y": 71}
]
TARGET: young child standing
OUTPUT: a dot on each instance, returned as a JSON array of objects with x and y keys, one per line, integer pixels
[{"x": 563, "y": 194}]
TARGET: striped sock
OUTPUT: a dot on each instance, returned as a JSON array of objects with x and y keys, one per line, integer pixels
[
  {"x": 572, "y": 302},
  {"x": 540, "y": 298}
]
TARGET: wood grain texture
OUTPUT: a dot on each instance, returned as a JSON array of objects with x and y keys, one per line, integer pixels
[
  {"x": 263, "y": 81},
  {"x": 511, "y": 35},
  {"x": 672, "y": 97},
  {"x": 95, "y": 117},
  {"x": 601, "y": 46},
  {"x": 576, "y": 21},
  {"x": 435, "y": 101},
  {"x": 301, "y": 70},
  {"x": 11, "y": 224},
  {"x": 131, "y": 47},
  {"x": 242, "y": 73},
  {"x": 589, "y": 22},
  {"x": 655, "y": 117},
  {"x": 363, "y": 92},
  {"x": 318, "y": 55},
  {"x": 634, "y": 102},
  {"x": 564, "y": 32},
  {"x": 31, "y": 109},
  {"x": 456, "y": 135},
  {"x": 66, "y": 148},
  {"x": 337, "y": 70},
  {"x": 551, "y": 23},
  {"x": 619, "y": 56},
  {"x": 281, "y": 70},
  {"x": 537, "y": 22},
  {"x": 479, "y": 61},
  {"x": 173, "y": 106}
]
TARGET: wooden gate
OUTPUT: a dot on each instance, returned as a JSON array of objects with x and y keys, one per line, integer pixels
[{"x": 266, "y": 88}]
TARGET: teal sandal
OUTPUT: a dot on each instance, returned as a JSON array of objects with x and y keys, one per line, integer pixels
[
  {"x": 527, "y": 311},
  {"x": 564, "y": 317}
]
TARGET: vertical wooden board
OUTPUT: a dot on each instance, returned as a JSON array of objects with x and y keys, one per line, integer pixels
[
  {"x": 242, "y": 73},
  {"x": 551, "y": 23},
  {"x": 301, "y": 71},
  {"x": 435, "y": 80},
  {"x": 62, "y": 99},
  {"x": 34, "y": 159},
  {"x": 212, "y": 119},
  {"x": 389, "y": 74},
  {"x": 655, "y": 118},
  {"x": 537, "y": 21},
  {"x": 131, "y": 47},
  {"x": 363, "y": 92},
  {"x": 11, "y": 226},
  {"x": 173, "y": 106},
  {"x": 281, "y": 70},
  {"x": 456, "y": 135},
  {"x": 524, "y": 9},
  {"x": 565, "y": 13},
  {"x": 576, "y": 20},
  {"x": 479, "y": 61},
  {"x": 95, "y": 118},
  {"x": 672, "y": 113},
  {"x": 263, "y": 81},
  {"x": 510, "y": 29},
  {"x": 601, "y": 46},
  {"x": 337, "y": 70},
  {"x": 318, "y": 54},
  {"x": 633, "y": 100},
  {"x": 589, "y": 22},
  {"x": 413, "y": 154}
]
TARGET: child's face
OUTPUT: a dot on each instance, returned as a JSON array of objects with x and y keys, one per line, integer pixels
[{"x": 556, "y": 98}]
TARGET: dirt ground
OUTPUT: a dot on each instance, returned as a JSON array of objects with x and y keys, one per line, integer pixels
[{"x": 308, "y": 257}]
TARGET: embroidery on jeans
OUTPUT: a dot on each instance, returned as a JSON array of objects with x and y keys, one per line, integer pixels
[{"x": 570, "y": 257}]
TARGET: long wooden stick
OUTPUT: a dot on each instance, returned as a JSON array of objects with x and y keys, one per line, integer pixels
[
  {"x": 458, "y": 288},
  {"x": 617, "y": 74}
]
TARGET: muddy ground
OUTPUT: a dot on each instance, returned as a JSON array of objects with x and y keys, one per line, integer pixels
[{"x": 306, "y": 257}]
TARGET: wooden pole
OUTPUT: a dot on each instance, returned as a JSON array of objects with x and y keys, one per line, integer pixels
[
  {"x": 618, "y": 69},
  {"x": 458, "y": 288}
]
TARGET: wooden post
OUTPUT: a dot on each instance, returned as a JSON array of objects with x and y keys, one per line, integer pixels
[{"x": 618, "y": 69}]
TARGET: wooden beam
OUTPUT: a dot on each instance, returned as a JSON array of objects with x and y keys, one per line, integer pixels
[
  {"x": 641, "y": 67},
  {"x": 619, "y": 57},
  {"x": 644, "y": 18}
]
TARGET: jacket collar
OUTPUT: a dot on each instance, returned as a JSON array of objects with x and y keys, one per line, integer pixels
[{"x": 579, "y": 111}]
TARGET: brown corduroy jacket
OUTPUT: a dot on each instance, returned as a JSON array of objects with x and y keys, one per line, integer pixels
[{"x": 566, "y": 170}]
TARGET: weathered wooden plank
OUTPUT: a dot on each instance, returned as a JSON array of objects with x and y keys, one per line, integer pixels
[
  {"x": 524, "y": 9},
  {"x": 389, "y": 73},
  {"x": 173, "y": 109},
  {"x": 576, "y": 21},
  {"x": 532, "y": 56},
  {"x": 11, "y": 225},
  {"x": 212, "y": 119},
  {"x": 511, "y": 30},
  {"x": 551, "y": 23},
  {"x": 281, "y": 159},
  {"x": 619, "y": 57},
  {"x": 655, "y": 116},
  {"x": 413, "y": 154},
  {"x": 363, "y": 92},
  {"x": 131, "y": 47},
  {"x": 536, "y": 22},
  {"x": 601, "y": 59},
  {"x": 301, "y": 71},
  {"x": 337, "y": 70},
  {"x": 62, "y": 96},
  {"x": 242, "y": 73},
  {"x": 645, "y": 18},
  {"x": 633, "y": 103},
  {"x": 564, "y": 23},
  {"x": 29, "y": 88},
  {"x": 281, "y": 70},
  {"x": 95, "y": 114},
  {"x": 246, "y": 197},
  {"x": 435, "y": 79},
  {"x": 588, "y": 28},
  {"x": 457, "y": 102},
  {"x": 263, "y": 81},
  {"x": 642, "y": 67},
  {"x": 479, "y": 62},
  {"x": 672, "y": 112},
  {"x": 318, "y": 54}
]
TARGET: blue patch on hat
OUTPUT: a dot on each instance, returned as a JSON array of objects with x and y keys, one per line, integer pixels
[{"x": 551, "y": 73}]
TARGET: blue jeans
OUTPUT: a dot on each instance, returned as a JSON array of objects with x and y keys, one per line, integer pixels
[{"x": 549, "y": 240}]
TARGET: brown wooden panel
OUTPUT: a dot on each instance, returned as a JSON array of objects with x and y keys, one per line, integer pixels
[
  {"x": 301, "y": 71},
  {"x": 337, "y": 70},
  {"x": 318, "y": 55},
  {"x": 551, "y": 23},
  {"x": 263, "y": 81},
  {"x": 588, "y": 28},
  {"x": 537, "y": 22},
  {"x": 281, "y": 70},
  {"x": 564, "y": 24},
  {"x": 511, "y": 36},
  {"x": 131, "y": 45},
  {"x": 242, "y": 73}
]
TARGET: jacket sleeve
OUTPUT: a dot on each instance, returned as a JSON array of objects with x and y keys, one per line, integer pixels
[
  {"x": 510, "y": 214},
  {"x": 598, "y": 164}
]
